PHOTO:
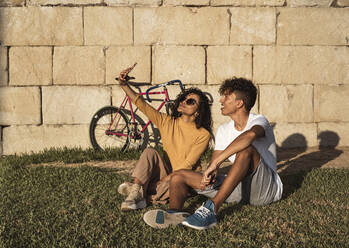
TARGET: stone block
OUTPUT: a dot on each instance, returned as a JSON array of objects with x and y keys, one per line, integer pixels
[
  {"x": 181, "y": 25},
  {"x": 313, "y": 26},
  {"x": 247, "y": 2},
  {"x": 290, "y": 135},
  {"x": 11, "y": 3},
  {"x": 287, "y": 103},
  {"x": 343, "y": 3},
  {"x": 30, "y": 65},
  {"x": 252, "y": 25},
  {"x": 72, "y": 105},
  {"x": 187, "y": 2},
  {"x": 19, "y": 105},
  {"x": 309, "y": 3},
  {"x": 26, "y": 139},
  {"x": 78, "y": 65},
  {"x": 133, "y": 2},
  {"x": 331, "y": 103},
  {"x": 333, "y": 134},
  {"x": 3, "y": 66},
  {"x": 119, "y": 58},
  {"x": 301, "y": 65},
  {"x": 62, "y": 2},
  {"x": 227, "y": 61},
  {"x": 41, "y": 26},
  {"x": 108, "y": 26},
  {"x": 186, "y": 63}
]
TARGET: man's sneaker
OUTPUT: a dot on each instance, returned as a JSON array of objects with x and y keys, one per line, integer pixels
[
  {"x": 135, "y": 199},
  {"x": 161, "y": 219},
  {"x": 125, "y": 188},
  {"x": 203, "y": 218}
]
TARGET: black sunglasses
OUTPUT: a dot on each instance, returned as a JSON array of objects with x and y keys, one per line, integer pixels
[{"x": 189, "y": 101}]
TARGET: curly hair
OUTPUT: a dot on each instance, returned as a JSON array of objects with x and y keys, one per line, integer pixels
[
  {"x": 204, "y": 118},
  {"x": 243, "y": 88}
]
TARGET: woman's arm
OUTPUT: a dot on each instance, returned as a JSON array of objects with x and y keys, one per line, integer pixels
[
  {"x": 123, "y": 83},
  {"x": 153, "y": 115}
]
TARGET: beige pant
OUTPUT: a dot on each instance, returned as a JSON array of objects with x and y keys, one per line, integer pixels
[{"x": 150, "y": 169}]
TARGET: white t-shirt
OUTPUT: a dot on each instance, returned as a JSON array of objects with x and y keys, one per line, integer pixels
[{"x": 265, "y": 146}]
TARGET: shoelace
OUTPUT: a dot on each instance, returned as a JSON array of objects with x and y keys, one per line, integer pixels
[{"x": 203, "y": 212}]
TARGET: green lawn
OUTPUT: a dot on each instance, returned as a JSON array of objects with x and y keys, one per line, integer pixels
[{"x": 79, "y": 207}]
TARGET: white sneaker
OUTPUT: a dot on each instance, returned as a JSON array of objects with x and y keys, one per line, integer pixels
[
  {"x": 159, "y": 218},
  {"x": 135, "y": 200},
  {"x": 125, "y": 188}
]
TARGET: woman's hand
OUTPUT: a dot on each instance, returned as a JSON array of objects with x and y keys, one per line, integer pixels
[{"x": 124, "y": 74}]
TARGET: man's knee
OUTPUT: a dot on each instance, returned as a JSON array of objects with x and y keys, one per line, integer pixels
[
  {"x": 177, "y": 177},
  {"x": 251, "y": 156},
  {"x": 247, "y": 152}
]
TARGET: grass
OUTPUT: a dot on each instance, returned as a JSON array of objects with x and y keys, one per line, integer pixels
[{"x": 79, "y": 207}]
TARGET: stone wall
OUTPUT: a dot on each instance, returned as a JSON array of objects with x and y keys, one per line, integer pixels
[{"x": 58, "y": 60}]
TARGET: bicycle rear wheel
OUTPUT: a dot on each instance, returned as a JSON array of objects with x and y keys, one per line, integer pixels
[{"x": 111, "y": 128}]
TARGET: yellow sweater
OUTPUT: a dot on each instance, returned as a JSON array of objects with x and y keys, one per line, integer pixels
[{"x": 182, "y": 141}]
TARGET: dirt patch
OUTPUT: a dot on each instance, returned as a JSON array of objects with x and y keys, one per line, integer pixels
[
  {"x": 289, "y": 161},
  {"x": 122, "y": 166}
]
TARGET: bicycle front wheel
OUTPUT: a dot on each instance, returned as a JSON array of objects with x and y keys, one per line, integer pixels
[{"x": 109, "y": 129}]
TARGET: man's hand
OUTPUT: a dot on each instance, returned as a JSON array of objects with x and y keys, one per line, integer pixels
[
  {"x": 124, "y": 74},
  {"x": 209, "y": 175}
]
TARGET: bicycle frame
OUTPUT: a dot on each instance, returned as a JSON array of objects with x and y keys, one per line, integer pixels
[
  {"x": 127, "y": 100},
  {"x": 112, "y": 126}
]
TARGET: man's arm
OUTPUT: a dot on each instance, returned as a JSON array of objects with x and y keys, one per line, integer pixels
[{"x": 239, "y": 144}]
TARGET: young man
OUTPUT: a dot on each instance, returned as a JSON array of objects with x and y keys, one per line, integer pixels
[{"x": 248, "y": 142}]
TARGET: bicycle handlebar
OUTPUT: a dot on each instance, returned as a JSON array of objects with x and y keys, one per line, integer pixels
[
  {"x": 177, "y": 81},
  {"x": 127, "y": 78}
]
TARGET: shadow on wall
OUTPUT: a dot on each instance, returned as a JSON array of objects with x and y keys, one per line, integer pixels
[{"x": 295, "y": 163}]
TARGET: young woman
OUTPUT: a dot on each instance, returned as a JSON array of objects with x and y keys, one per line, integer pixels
[{"x": 185, "y": 135}]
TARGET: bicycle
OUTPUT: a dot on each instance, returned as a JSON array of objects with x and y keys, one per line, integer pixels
[{"x": 121, "y": 127}]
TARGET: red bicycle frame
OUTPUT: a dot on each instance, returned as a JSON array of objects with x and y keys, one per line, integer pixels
[{"x": 128, "y": 100}]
